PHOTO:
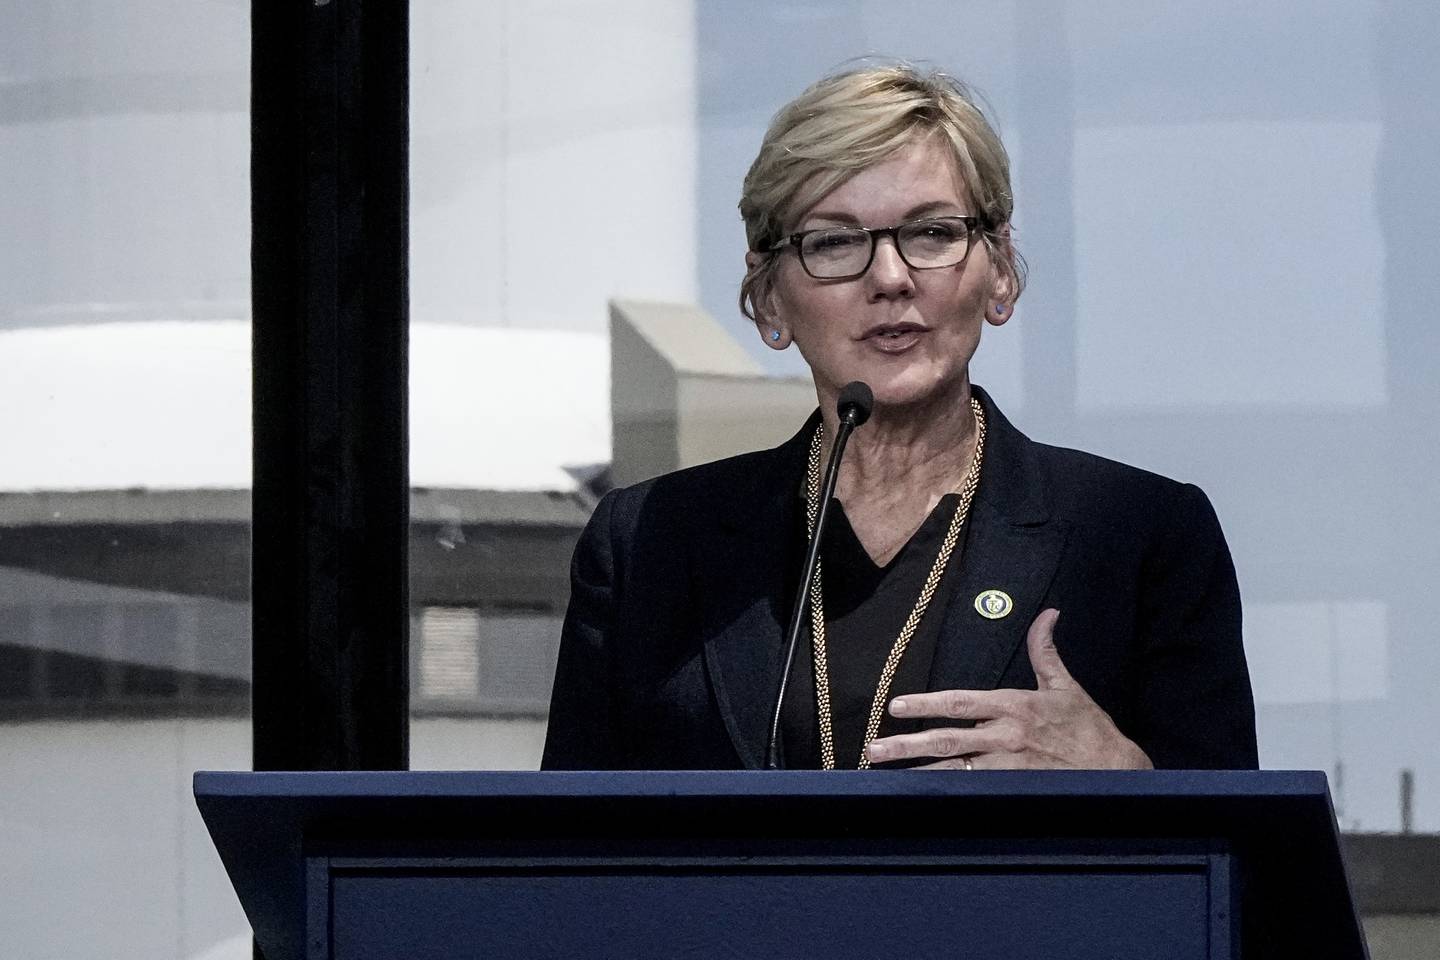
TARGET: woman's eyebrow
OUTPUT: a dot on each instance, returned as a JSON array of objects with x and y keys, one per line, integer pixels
[
  {"x": 850, "y": 220},
  {"x": 934, "y": 206},
  {"x": 841, "y": 218}
]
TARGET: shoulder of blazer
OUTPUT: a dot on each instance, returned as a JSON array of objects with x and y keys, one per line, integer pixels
[
  {"x": 1029, "y": 482},
  {"x": 733, "y": 493},
  {"x": 1088, "y": 489}
]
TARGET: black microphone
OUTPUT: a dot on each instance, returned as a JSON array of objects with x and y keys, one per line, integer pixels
[{"x": 854, "y": 406}]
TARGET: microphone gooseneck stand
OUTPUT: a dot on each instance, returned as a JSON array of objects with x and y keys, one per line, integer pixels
[{"x": 854, "y": 407}]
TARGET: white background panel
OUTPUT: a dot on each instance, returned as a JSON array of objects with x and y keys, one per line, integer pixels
[
  {"x": 1317, "y": 652},
  {"x": 1229, "y": 264}
]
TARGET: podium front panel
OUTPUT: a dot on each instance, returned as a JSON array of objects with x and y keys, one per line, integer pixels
[{"x": 1109, "y": 907}]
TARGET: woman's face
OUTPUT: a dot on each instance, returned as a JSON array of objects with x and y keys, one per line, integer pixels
[{"x": 908, "y": 333}]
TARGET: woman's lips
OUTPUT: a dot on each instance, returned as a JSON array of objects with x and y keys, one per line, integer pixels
[{"x": 894, "y": 339}]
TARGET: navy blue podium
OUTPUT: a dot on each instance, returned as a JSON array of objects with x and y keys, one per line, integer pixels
[{"x": 1052, "y": 864}]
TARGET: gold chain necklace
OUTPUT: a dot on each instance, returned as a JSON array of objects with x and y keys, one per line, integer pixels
[{"x": 817, "y": 600}]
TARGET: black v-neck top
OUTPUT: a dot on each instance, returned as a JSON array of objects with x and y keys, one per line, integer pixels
[{"x": 865, "y": 608}]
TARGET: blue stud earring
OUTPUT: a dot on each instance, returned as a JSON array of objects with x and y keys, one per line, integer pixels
[
  {"x": 774, "y": 336},
  {"x": 1000, "y": 309}
]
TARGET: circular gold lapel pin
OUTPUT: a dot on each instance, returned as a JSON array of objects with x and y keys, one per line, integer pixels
[{"x": 993, "y": 604}]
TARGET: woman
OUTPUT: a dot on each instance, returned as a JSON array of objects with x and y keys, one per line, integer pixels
[{"x": 877, "y": 215}]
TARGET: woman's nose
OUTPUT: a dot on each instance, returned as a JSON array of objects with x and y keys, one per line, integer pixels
[{"x": 889, "y": 274}]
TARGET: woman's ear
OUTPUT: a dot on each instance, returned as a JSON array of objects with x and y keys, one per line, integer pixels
[
  {"x": 765, "y": 302},
  {"x": 1005, "y": 278},
  {"x": 769, "y": 320}
]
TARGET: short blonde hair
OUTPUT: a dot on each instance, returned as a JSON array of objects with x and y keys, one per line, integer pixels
[{"x": 853, "y": 120}]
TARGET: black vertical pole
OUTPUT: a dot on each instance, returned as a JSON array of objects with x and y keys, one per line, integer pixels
[{"x": 330, "y": 510}]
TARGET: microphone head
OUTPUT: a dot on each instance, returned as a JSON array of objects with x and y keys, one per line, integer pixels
[{"x": 856, "y": 401}]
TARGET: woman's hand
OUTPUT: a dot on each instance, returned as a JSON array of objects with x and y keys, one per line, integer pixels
[{"x": 1057, "y": 725}]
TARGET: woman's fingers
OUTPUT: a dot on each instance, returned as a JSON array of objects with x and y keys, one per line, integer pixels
[
  {"x": 1058, "y": 725},
  {"x": 941, "y": 742},
  {"x": 958, "y": 704},
  {"x": 1050, "y": 672}
]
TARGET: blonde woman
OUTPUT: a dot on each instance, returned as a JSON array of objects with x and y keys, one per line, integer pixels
[{"x": 878, "y": 220}]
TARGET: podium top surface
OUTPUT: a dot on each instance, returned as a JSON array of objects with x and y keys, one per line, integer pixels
[
  {"x": 1241, "y": 806},
  {"x": 817, "y": 784}
]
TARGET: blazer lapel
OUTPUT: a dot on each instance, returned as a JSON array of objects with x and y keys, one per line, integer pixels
[
  {"x": 974, "y": 650},
  {"x": 1012, "y": 545},
  {"x": 750, "y": 559}
]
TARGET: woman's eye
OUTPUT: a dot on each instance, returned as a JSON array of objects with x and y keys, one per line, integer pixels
[
  {"x": 937, "y": 230},
  {"x": 834, "y": 241}
]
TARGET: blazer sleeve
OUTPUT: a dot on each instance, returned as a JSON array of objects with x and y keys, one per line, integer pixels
[
  {"x": 581, "y": 731},
  {"x": 1194, "y": 706}
]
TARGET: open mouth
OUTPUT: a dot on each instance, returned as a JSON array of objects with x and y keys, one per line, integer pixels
[
  {"x": 893, "y": 331},
  {"x": 894, "y": 339},
  {"x": 893, "y": 335}
]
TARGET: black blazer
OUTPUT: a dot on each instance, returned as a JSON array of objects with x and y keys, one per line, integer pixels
[{"x": 681, "y": 589}]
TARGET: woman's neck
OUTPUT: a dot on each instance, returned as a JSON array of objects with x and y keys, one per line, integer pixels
[{"x": 912, "y": 453}]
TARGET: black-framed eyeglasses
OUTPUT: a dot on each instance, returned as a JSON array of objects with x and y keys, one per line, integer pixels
[{"x": 844, "y": 253}]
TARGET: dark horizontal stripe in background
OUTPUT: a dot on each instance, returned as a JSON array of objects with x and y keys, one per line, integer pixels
[{"x": 1393, "y": 873}]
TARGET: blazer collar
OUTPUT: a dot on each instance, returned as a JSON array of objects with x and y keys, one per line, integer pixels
[{"x": 1012, "y": 482}]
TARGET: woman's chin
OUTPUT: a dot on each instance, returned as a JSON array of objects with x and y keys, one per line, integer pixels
[{"x": 902, "y": 392}]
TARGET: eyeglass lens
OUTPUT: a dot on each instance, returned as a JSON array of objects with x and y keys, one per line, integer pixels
[{"x": 845, "y": 251}]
